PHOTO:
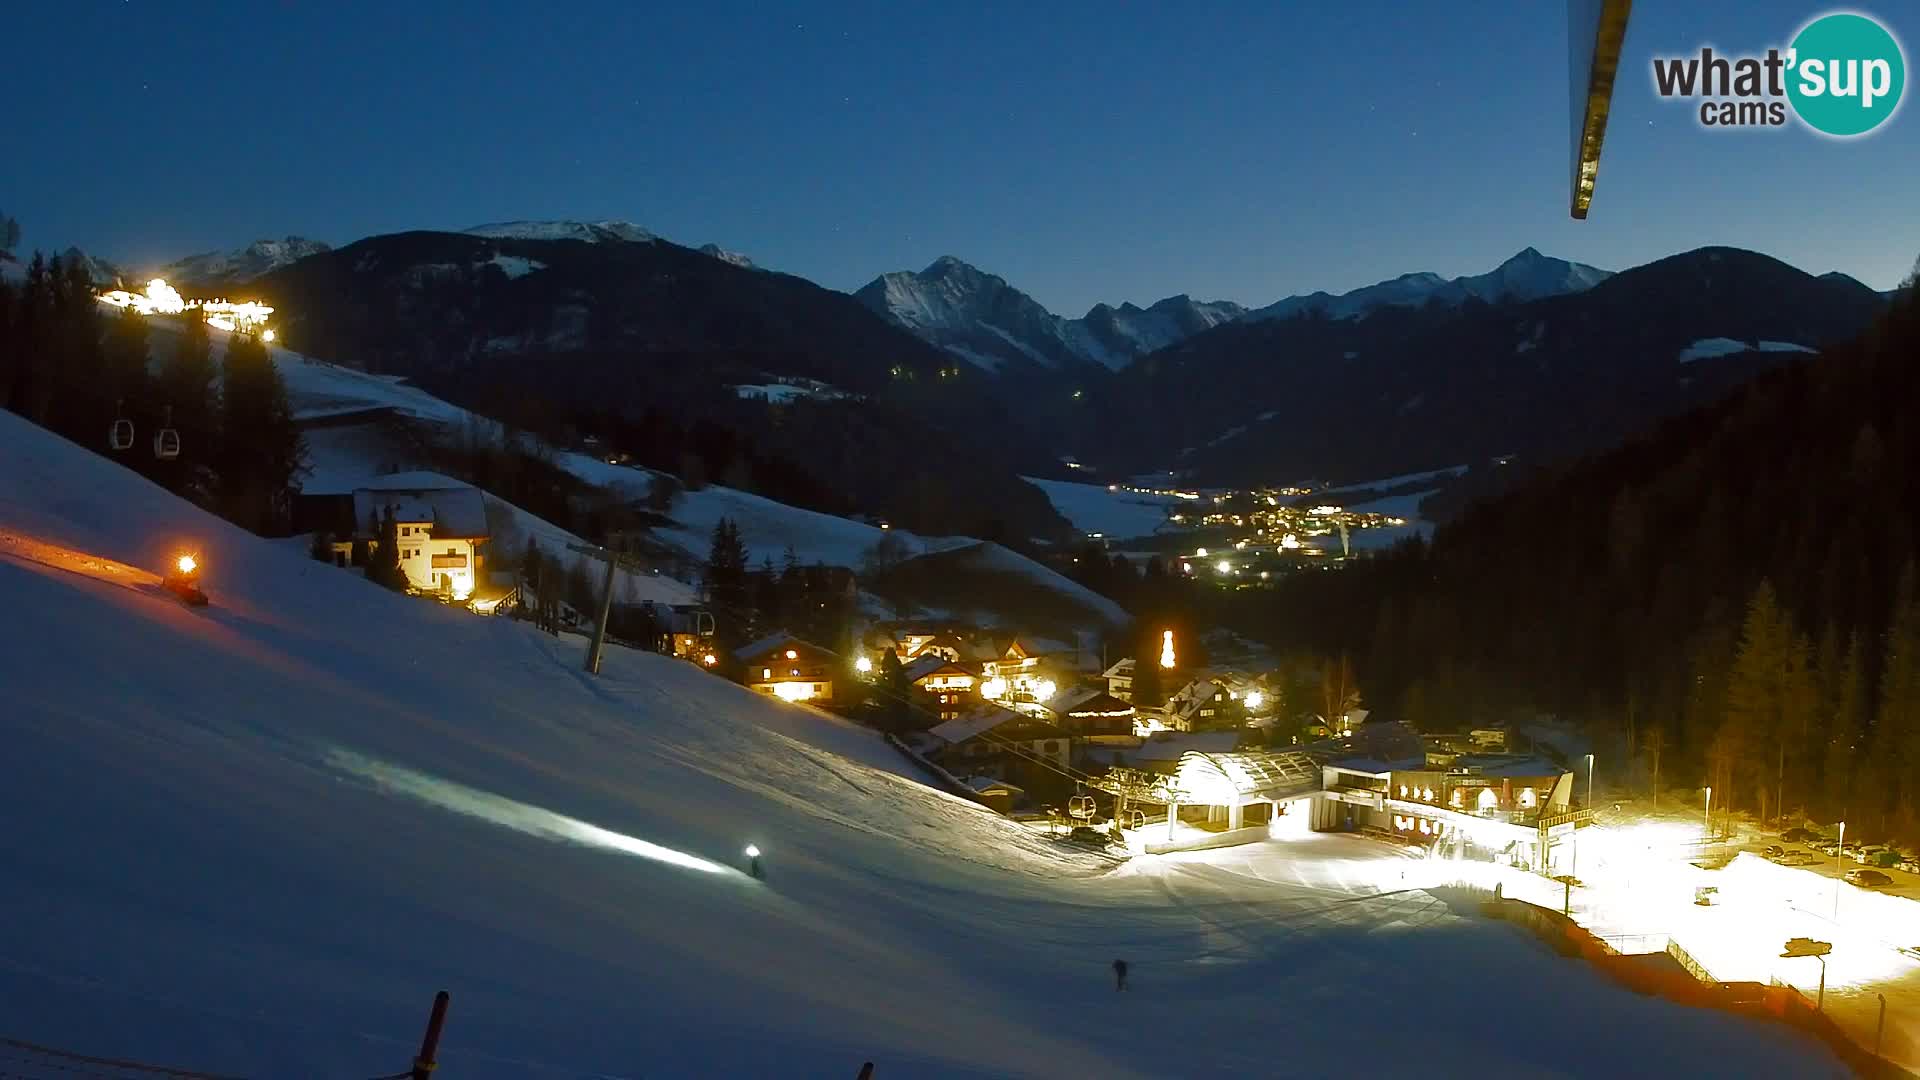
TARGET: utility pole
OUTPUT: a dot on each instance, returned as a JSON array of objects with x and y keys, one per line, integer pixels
[{"x": 614, "y": 560}]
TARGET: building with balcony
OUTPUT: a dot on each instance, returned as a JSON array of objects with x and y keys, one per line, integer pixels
[{"x": 788, "y": 668}]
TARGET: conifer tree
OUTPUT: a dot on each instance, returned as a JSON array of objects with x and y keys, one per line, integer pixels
[
  {"x": 726, "y": 584},
  {"x": 260, "y": 446},
  {"x": 1846, "y": 737},
  {"x": 384, "y": 568},
  {"x": 1898, "y": 714},
  {"x": 186, "y": 385}
]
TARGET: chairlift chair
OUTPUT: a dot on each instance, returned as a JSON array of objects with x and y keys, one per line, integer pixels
[
  {"x": 166, "y": 441},
  {"x": 120, "y": 435},
  {"x": 1080, "y": 806}
]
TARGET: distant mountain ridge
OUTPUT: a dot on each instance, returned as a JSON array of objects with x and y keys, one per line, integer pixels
[
  {"x": 982, "y": 319},
  {"x": 241, "y": 265},
  {"x": 1528, "y": 275},
  {"x": 1412, "y": 386}
]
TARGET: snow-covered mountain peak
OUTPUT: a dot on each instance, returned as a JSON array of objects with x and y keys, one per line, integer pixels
[
  {"x": 241, "y": 264},
  {"x": 979, "y": 317},
  {"x": 592, "y": 232},
  {"x": 732, "y": 258}
]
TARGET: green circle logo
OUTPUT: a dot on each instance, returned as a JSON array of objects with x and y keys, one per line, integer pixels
[{"x": 1846, "y": 74}]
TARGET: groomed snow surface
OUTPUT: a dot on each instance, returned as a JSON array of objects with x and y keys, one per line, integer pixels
[{"x": 254, "y": 838}]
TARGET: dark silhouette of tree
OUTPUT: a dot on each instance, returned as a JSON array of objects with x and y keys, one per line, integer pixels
[{"x": 384, "y": 568}]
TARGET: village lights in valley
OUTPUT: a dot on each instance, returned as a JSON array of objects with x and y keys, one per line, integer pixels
[
  {"x": 1255, "y": 699},
  {"x": 709, "y": 659},
  {"x": 995, "y": 687},
  {"x": 1223, "y": 566},
  {"x": 862, "y": 665}
]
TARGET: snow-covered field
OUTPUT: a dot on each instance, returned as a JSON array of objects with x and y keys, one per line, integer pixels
[
  {"x": 767, "y": 528},
  {"x": 255, "y": 838},
  {"x": 1116, "y": 515}
]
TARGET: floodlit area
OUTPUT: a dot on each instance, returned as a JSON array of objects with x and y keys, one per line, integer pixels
[
  {"x": 264, "y": 833},
  {"x": 1642, "y": 875}
]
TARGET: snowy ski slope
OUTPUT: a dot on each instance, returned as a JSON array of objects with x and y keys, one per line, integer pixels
[{"x": 254, "y": 839}]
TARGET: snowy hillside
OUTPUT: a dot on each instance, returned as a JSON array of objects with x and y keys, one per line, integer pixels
[
  {"x": 241, "y": 265},
  {"x": 1528, "y": 275},
  {"x": 980, "y": 318},
  {"x": 1114, "y": 514},
  {"x": 263, "y": 833}
]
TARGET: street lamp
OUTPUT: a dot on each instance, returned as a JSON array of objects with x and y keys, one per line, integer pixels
[
  {"x": 1799, "y": 947},
  {"x": 1839, "y": 877},
  {"x": 1589, "y": 781},
  {"x": 1707, "y": 822}
]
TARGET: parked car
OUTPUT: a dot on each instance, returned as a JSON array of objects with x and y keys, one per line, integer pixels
[
  {"x": 1772, "y": 851},
  {"x": 1796, "y": 858},
  {"x": 1801, "y": 836},
  {"x": 1910, "y": 865},
  {"x": 1826, "y": 847},
  {"x": 1868, "y": 879},
  {"x": 1867, "y": 856}
]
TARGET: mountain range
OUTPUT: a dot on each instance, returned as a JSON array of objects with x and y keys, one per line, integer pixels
[
  {"x": 980, "y": 318},
  {"x": 242, "y": 265},
  {"x": 1539, "y": 357},
  {"x": 1526, "y": 276},
  {"x": 1406, "y": 388}
]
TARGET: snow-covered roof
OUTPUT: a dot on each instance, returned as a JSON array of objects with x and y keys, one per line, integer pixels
[
  {"x": 984, "y": 784},
  {"x": 1245, "y": 776},
  {"x": 777, "y": 640},
  {"x": 455, "y": 512},
  {"x": 1508, "y": 765},
  {"x": 1168, "y": 746},
  {"x": 972, "y": 724},
  {"x": 416, "y": 480},
  {"x": 1121, "y": 669},
  {"x": 1077, "y": 701},
  {"x": 934, "y": 664}
]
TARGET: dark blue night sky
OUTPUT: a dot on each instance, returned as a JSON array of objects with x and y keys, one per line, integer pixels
[{"x": 1086, "y": 151}]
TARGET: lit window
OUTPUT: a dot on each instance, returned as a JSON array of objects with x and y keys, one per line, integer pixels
[
  {"x": 791, "y": 655},
  {"x": 766, "y": 673},
  {"x": 1403, "y": 791}
]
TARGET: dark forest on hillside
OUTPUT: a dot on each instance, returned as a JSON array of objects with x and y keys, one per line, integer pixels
[{"x": 1733, "y": 595}]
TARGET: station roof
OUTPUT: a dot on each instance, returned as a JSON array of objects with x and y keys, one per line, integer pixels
[{"x": 1242, "y": 776}]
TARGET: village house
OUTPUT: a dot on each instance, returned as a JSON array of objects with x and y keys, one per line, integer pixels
[
  {"x": 1199, "y": 705},
  {"x": 788, "y": 668},
  {"x": 440, "y": 528},
  {"x": 1120, "y": 679},
  {"x": 989, "y": 739},
  {"x": 946, "y": 688},
  {"x": 1096, "y": 717}
]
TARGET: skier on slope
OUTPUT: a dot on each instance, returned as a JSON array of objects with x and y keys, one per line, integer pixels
[{"x": 1119, "y": 974}]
